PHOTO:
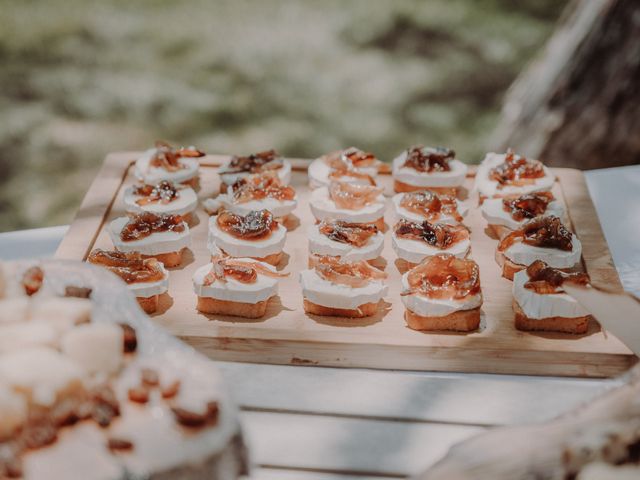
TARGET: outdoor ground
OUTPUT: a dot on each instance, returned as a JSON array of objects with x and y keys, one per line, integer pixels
[{"x": 81, "y": 78}]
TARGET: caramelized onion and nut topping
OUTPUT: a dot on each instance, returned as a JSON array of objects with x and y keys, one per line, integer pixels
[
  {"x": 353, "y": 196},
  {"x": 256, "y": 225},
  {"x": 545, "y": 232},
  {"x": 356, "y": 234},
  {"x": 352, "y": 274},
  {"x": 242, "y": 271},
  {"x": 147, "y": 223},
  {"x": 431, "y": 205},
  {"x": 435, "y": 235},
  {"x": 260, "y": 186},
  {"x": 516, "y": 171},
  {"x": 254, "y": 163},
  {"x": 444, "y": 276},
  {"x": 165, "y": 192},
  {"x": 129, "y": 339},
  {"x": 32, "y": 280},
  {"x": 544, "y": 279},
  {"x": 188, "y": 418},
  {"x": 527, "y": 206},
  {"x": 429, "y": 159},
  {"x": 168, "y": 157},
  {"x": 129, "y": 266}
]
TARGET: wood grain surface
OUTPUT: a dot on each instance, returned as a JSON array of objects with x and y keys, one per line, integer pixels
[{"x": 288, "y": 336}]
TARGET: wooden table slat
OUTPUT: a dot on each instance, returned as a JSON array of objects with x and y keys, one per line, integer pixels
[
  {"x": 418, "y": 398},
  {"x": 348, "y": 446}
]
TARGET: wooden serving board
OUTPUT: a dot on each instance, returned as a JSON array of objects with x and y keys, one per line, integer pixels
[{"x": 289, "y": 336}]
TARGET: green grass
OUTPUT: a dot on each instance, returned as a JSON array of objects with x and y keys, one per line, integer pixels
[{"x": 81, "y": 78}]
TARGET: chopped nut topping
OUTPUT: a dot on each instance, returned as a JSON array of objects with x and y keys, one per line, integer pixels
[
  {"x": 32, "y": 280},
  {"x": 130, "y": 343},
  {"x": 119, "y": 444},
  {"x": 188, "y": 418},
  {"x": 139, "y": 394}
]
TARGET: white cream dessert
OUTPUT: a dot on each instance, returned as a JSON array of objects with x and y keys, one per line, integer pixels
[
  {"x": 436, "y": 168},
  {"x": 349, "y": 241},
  {"x": 427, "y": 205},
  {"x": 235, "y": 286},
  {"x": 500, "y": 175},
  {"x": 541, "y": 304},
  {"x": 161, "y": 236},
  {"x": 167, "y": 163},
  {"x": 262, "y": 191},
  {"x": 146, "y": 278},
  {"x": 442, "y": 293},
  {"x": 162, "y": 198},
  {"x": 350, "y": 165},
  {"x": 342, "y": 289},
  {"x": 514, "y": 212},
  {"x": 415, "y": 241},
  {"x": 349, "y": 202},
  {"x": 543, "y": 238},
  {"x": 100, "y": 400},
  {"x": 238, "y": 167},
  {"x": 256, "y": 235}
]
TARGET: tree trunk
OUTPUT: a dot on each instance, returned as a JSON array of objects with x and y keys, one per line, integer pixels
[{"x": 578, "y": 105}]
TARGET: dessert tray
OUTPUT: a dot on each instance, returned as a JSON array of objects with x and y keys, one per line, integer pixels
[
  {"x": 287, "y": 335},
  {"x": 125, "y": 436}
]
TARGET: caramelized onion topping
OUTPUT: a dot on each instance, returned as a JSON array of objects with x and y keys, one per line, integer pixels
[
  {"x": 261, "y": 186},
  {"x": 545, "y": 232},
  {"x": 435, "y": 235},
  {"x": 516, "y": 171},
  {"x": 544, "y": 279},
  {"x": 429, "y": 159},
  {"x": 444, "y": 276},
  {"x": 147, "y": 223},
  {"x": 168, "y": 157},
  {"x": 350, "y": 157},
  {"x": 240, "y": 270},
  {"x": 345, "y": 164},
  {"x": 356, "y": 234},
  {"x": 352, "y": 274},
  {"x": 527, "y": 206},
  {"x": 350, "y": 173},
  {"x": 165, "y": 192},
  {"x": 431, "y": 205},
  {"x": 130, "y": 266},
  {"x": 256, "y": 225},
  {"x": 353, "y": 196},
  {"x": 255, "y": 163}
]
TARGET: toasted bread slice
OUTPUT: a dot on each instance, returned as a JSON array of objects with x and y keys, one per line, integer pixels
[
  {"x": 576, "y": 325},
  {"x": 235, "y": 309},
  {"x": 460, "y": 321},
  {"x": 364, "y": 310}
]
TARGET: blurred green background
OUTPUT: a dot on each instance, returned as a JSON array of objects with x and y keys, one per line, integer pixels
[{"x": 81, "y": 78}]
